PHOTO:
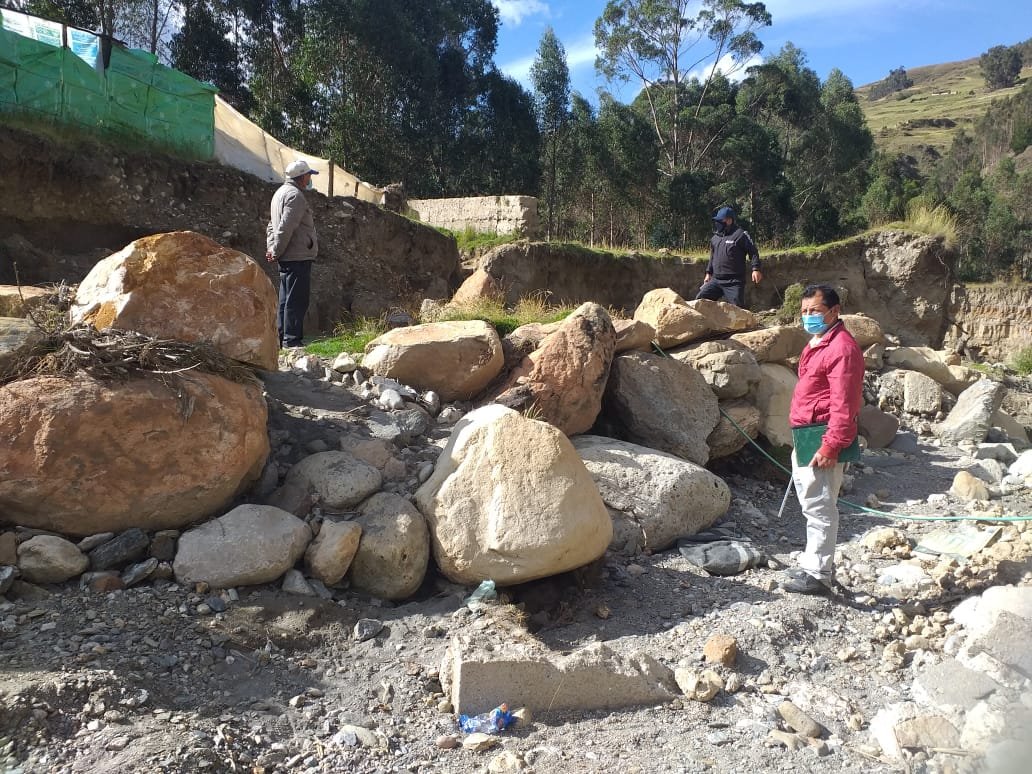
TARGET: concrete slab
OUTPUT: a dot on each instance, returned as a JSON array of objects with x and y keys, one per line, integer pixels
[
  {"x": 951, "y": 686},
  {"x": 591, "y": 678}
]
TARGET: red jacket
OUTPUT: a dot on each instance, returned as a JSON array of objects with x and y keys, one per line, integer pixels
[{"x": 830, "y": 389}]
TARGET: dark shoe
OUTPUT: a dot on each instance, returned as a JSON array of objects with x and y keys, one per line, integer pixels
[{"x": 801, "y": 582}]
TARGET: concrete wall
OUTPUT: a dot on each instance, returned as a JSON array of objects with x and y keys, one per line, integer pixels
[{"x": 483, "y": 214}]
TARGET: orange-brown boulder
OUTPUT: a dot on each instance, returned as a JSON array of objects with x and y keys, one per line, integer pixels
[
  {"x": 184, "y": 286},
  {"x": 563, "y": 382},
  {"x": 81, "y": 456}
]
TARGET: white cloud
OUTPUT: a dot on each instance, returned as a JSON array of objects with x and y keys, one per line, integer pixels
[
  {"x": 515, "y": 11},
  {"x": 727, "y": 65}
]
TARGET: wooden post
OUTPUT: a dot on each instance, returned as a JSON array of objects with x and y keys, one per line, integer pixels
[{"x": 329, "y": 183}]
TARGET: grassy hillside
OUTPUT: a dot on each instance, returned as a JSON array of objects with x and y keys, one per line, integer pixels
[{"x": 944, "y": 99}]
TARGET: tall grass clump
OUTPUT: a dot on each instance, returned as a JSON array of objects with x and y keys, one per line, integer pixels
[
  {"x": 529, "y": 309},
  {"x": 937, "y": 221}
]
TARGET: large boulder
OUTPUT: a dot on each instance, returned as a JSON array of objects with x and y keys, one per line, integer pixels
[
  {"x": 50, "y": 559},
  {"x": 334, "y": 479},
  {"x": 865, "y": 330},
  {"x": 971, "y": 418},
  {"x": 455, "y": 359},
  {"x": 726, "y": 439},
  {"x": 877, "y": 426},
  {"x": 922, "y": 395},
  {"x": 563, "y": 382},
  {"x": 677, "y": 321},
  {"x": 775, "y": 344},
  {"x": 477, "y": 287},
  {"x": 939, "y": 365},
  {"x": 394, "y": 550},
  {"x": 730, "y": 371},
  {"x": 774, "y": 399},
  {"x": 511, "y": 501},
  {"x": 329, "y": 556},
  {"x": 184, "y": 286},
  {"x": 654, "y": 497},
  {"x": 85, "y": 456},
  {"x": 661, "y": 403},
  {"x": 674, "y": 321},
  {"x": 633, "y": 334},
  {"x": 251, "y": 544}
]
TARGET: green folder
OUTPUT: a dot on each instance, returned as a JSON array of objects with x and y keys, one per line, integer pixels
[{"x": 807, "y": 439}]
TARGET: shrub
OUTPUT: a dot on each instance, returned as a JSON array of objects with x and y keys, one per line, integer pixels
[
  {"x": 349, "y": 336},
  {"x": 1022, "y": 361},
  {"x": 791, "y": 304}
]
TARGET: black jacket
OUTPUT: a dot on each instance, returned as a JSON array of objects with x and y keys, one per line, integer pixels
[{"x": 728, "y": 253}]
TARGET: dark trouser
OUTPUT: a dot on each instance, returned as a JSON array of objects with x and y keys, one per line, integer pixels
[
  {"x": 730, "y": 290},
  {"x": 294, "y": 290}
]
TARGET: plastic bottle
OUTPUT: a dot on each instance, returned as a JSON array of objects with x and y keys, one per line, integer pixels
[{"x": 493, "y": 722}]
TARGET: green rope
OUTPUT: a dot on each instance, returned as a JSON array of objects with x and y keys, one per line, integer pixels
[{"x": 863, "y": 508}]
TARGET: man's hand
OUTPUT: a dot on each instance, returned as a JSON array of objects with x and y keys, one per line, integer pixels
[
  {"x": 757, "y": 276},
  {"x": 269, "y": 256},
  {"x": 706, "y": 279},
  {"x": 820, "y": 461}
]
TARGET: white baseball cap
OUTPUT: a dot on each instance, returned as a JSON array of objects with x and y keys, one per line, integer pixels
[{"x": 296, "y": 169}]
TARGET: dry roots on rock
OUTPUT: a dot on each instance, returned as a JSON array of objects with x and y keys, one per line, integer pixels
[{"x": 113, "y": 354}]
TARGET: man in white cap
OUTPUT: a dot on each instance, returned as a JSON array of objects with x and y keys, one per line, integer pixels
[{"x": 291, "y": 240}]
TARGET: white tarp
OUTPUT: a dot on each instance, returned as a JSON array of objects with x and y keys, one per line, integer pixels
[{"x": 243, "y": 145}]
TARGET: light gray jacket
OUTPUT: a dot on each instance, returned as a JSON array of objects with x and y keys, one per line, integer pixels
[{"x": 290, "y": 235}]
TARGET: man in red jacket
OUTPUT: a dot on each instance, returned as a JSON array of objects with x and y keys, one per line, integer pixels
[{"x": 829, "y": 392}]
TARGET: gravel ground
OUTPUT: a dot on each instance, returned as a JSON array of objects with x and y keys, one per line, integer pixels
[{"x": 157, "y": 679}]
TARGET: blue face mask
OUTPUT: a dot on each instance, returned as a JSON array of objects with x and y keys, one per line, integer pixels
[
  {"x": 814, "y": 324},
  {"x": 310, "y": 186}
]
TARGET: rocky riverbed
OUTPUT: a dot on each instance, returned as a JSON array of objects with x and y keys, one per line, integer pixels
[{"x": 166, "y": 678}]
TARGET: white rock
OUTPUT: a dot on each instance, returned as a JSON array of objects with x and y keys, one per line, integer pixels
[{"x": 50, "y": 559}]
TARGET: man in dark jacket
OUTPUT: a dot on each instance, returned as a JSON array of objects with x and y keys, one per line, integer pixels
[
  {"x": 291, "y": 240},
  {"x": 726, "y": 270}
]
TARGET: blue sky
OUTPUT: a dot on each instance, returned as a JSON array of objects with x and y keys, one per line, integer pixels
[{"x": 863, "y": 38}]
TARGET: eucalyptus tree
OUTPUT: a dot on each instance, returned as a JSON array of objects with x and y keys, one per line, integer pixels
[
  {"x": 664, "y": 45},
  {"x": 551, "y": 77}
]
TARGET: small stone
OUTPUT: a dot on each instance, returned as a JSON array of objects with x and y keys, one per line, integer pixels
[
  {"x": 721, "y": 649},
  {"x": 522, "y": 717},
  {"x": 294, "y": 583},
  {"x": 846, "y": 654},
  {"x": 445, "y": 706},
  {"x": 120, "y": 550},
  {"x": 139, "y": 572},
  {"x": 367, "y": 628},
  {"x": 700, "y": 687},
  {"x": 479, "y": 742},
  {"x": 163, "y": 545},
  {"x": 635, "y": 570},
  {"x": 447, "y": 742},
  {"x": 217, "y": 604},
  {"x": 798, "y": 720},
  {"x": 733, "y": 684},
  {"x": 602, "y": 611},
  {"x": 90, "y": 542},
  {"x": 785, "y": 739},
  {"x": 505, "y": 761}
]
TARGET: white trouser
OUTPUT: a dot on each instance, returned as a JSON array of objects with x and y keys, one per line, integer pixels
[{"x": 818, "y": 490}]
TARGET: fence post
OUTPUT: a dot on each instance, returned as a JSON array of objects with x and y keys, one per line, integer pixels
[{"x": 329, "y": 186}]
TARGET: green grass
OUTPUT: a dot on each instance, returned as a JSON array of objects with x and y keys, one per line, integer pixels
[
  {"x": 1022, "y": 361},
  {"x": 351, "y": 336},
  {"x": 469, "y": 240},
  {"x": 952, "y": 90},
  {"x": 532, "y": 309}
]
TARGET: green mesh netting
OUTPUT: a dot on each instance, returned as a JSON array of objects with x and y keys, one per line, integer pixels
[{"x": 134, "y": 95}]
